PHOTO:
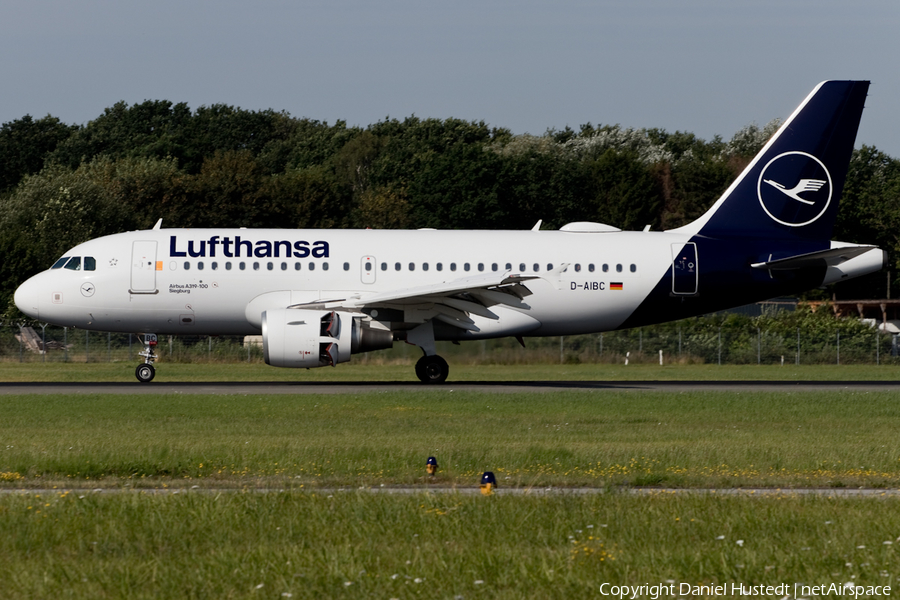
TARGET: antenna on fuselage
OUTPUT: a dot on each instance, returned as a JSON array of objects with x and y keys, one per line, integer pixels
[
  {"x": 537, "y": 226},
  {"x": 158, "y": 225}
]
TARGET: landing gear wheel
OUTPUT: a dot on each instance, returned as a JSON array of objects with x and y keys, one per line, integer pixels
[
  {"x": 145, "y": 373},
  {"x": 432, "y": 369}
]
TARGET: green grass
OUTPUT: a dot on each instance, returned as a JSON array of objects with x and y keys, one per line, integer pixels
[
  {"x": 315, "y": 541},
  {"x": 182, "y": 372},
  {"x": 608, "y": 438},
  {"x": 362, "y": 545}
]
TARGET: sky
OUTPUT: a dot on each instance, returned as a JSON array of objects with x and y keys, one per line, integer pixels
[{"x": 709, "y": 67}]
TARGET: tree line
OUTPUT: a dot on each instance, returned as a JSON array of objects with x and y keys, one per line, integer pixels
[{"x": 221, "y": 166}]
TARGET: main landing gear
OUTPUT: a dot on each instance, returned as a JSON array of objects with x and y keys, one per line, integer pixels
[
  {"x": 146, "y": 372},
  {"x": 431, "y": 368}
]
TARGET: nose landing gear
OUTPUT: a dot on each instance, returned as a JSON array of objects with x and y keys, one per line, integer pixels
[{"x": 146, "y": 372}]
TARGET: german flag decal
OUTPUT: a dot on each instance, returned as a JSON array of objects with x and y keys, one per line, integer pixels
[{"x": 615, "y": 285}]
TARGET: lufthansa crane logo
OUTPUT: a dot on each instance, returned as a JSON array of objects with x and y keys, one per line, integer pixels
[{"x": 794, "y": 189}]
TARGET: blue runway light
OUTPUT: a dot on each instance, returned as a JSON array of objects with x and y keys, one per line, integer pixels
[{"x": 488, "y": 483}]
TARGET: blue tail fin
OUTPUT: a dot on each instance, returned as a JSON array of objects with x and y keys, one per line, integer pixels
[{"x": 793, "y": 186}]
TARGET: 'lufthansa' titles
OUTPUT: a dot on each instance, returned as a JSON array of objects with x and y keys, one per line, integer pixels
[{"x": 237, "y": 248}]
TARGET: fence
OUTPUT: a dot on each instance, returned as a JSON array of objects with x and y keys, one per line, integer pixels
[{"x": 699, "y": 340}]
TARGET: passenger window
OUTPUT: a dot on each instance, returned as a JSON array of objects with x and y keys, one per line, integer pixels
[
  {"x": 187, "y": 266},
  {"x": 412, "y": 266},
  {"x": 384, "y": 266},
  {"x": 452, "y": 266},
  {"x": 270, "y": 266},
  {"x": 200, "y": 266},
  {"x": 439, "y": 266},
  {"x": 591, "y": 267},
  {"x": 256, "y": 266},
  {"x": 466, "y": 267},
  {"x": 605, "y": 268},
  {"x": 347, "y": 266},
  {"x": 324, "y": 266},
  {"x": 74, "y": 263},
  {"x": 397, "y": 266},
  {"x": 312, "y": 266},
  {"x": 549, "y": 266},
  {"x": 494, "y": 267},
  {"x": 59, "y": 264},
  {"x": 537, "y": 267},
  {"x": 368, "y": 266},
  {"x": 634, "y": 268},
  {"x": 618, "y": 268},
  {"x": 481, "y": 266},
  {"x": 297, "y": 266},
  {"x": 509, "y": 266},
  {"x": 521, "y": 266},
  {"x": 241, "y": 266},
  {"x": 213, "y": 265},
  {"x": 284, "y": 266},
  {"x": 577, "y": 268},
  {"x": 89, "y": 263},
  {"x": 228, "y": 266},
  {"x": 424, "y": 266}
]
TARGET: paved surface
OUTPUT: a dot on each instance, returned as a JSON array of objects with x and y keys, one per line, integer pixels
[{"x": 245, "y": 388}]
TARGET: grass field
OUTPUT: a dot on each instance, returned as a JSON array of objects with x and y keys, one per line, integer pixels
[
  {"x": 168, "y": 372},
  {"x": 321, "y": 537},
  {"x": 702, "y": 439},
  {"x": 360, "y": 545}
]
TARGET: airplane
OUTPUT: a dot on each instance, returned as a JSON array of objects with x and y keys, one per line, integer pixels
[{"x": 320, "y": 296}]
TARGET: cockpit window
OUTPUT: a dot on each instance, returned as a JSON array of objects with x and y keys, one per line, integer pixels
[
  {"x": 58, "y": 264},
  {"x": 74, "y": 263},
  {"x": 89, "y": 263}
]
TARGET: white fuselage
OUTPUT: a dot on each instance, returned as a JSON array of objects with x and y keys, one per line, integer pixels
[{"x": 218, "y": 282}]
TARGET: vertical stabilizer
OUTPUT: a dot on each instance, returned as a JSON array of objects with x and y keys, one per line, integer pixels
[{"x": 793, "y": 186}]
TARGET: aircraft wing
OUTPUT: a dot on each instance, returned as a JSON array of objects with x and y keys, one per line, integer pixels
[
  {"x": 450, "y": 302},
  {"x": 824, "y": 258}
]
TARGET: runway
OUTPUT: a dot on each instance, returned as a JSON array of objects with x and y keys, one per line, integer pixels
[{"x": 500, "y": 387}]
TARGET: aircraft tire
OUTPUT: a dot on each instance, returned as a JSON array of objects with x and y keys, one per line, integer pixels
[
  {"x": 432, "y": 369},
  {"x": 145, "y": 373}
]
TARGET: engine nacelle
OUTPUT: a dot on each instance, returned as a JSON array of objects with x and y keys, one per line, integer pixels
[{"x": 299, "y": 338}]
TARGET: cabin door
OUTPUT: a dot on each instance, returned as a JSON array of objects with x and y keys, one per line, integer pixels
[
  {"x": 144, "y": 267},
  {"x": 685, "y": 275}
]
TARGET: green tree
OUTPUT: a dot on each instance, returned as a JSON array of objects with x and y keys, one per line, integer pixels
[{"x": 25, "y": 143}]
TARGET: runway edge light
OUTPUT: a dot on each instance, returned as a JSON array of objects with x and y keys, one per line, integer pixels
[
  {"x": 488, "y": 483},
  {"x": 431, "y": 466}
]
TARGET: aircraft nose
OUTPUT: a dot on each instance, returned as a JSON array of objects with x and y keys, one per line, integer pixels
[{"x": 26, "y": 298}]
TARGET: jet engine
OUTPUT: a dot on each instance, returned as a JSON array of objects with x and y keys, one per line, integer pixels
[{"x": 298, "y": 338}]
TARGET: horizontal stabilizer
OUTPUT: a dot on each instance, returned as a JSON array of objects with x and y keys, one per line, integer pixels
[{"x": 824, "y": 258}]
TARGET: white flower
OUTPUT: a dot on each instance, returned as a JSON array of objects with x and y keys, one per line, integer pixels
[
  {"x": 720, "y": 537},
  {"x": 478, "y": 582},
  {"x": 348, "y": 583},
  {"x": 260, "y": 586},
  {"x": 740, "y": 543}
]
